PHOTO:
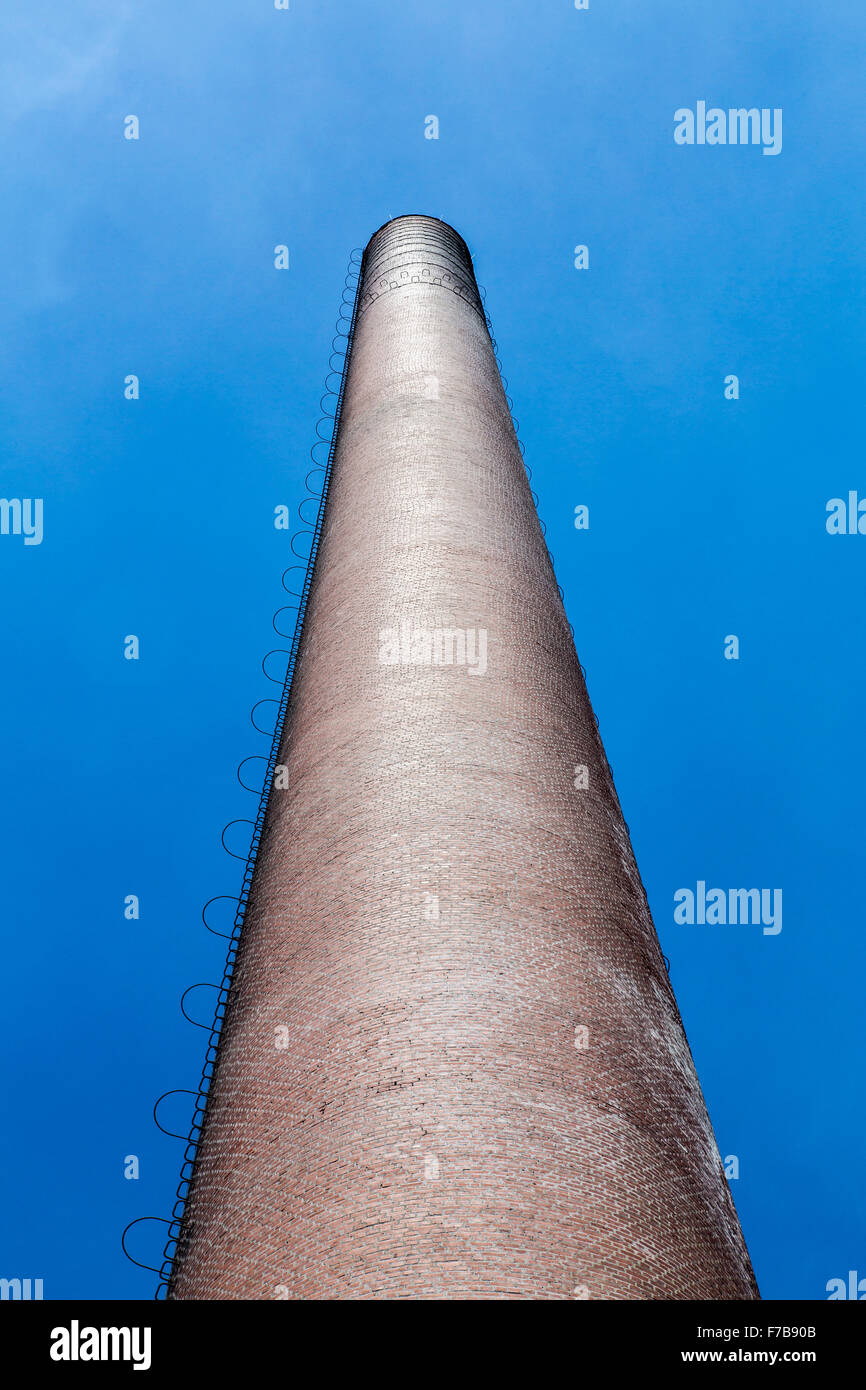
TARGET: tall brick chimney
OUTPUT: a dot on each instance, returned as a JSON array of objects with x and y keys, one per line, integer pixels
[{"x": 452, "y": 1065}]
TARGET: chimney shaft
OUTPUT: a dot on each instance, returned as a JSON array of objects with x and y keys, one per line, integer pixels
[{"x": 452, "y": 1065}]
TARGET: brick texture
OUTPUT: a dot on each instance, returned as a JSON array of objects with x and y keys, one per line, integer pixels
[{"x": 452, "y": 1064}]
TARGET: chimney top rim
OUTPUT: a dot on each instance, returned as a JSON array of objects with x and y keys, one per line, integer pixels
[{"x": 418, "y": 217}]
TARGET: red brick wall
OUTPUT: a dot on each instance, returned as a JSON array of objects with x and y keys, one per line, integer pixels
[{"x": 438, "y": 913}]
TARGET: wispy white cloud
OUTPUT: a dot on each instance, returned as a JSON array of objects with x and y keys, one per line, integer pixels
[{"x": 45, "y": 59}]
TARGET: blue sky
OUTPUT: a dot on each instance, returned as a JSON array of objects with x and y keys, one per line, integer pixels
[{"x": 707, "y": 517}]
